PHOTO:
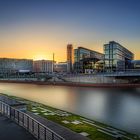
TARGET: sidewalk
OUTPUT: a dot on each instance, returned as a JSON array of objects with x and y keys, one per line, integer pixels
[{"x": 11, "y": 131}]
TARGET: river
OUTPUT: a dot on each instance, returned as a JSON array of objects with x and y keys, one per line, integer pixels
[{"x": 116, "y": 107}]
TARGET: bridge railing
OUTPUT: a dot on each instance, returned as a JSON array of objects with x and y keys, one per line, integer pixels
[{"x": 37, "y": 129}]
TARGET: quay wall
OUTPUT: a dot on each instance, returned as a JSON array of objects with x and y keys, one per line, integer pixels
[{"x": 94, "y": 79}]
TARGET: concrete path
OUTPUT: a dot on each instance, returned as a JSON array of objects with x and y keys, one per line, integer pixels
[
  {"x": 62, "y": 131},
  {"x": 9, "y": 130}
]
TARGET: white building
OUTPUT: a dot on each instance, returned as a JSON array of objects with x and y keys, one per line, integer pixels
[{"x": 43, "y": 66}]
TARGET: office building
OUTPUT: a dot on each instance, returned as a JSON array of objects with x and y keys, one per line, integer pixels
[
  {"x": 70, "y": 58},
  {"x": 116, "y": 57},
  {"x": 45, "y": 66},
  {"x": 85, "y": 59},
  {"x": 10, "y": 65}
]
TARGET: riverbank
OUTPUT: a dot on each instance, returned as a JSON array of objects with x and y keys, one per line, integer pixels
[
  {"x": 75, "y": 84},
  {"x": 92, "y": 129}
]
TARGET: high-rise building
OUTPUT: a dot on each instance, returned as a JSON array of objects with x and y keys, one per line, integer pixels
[
  {"x": 10, "y": 65},
  {"x": 69, "y": 58},
  {"x": 116, "y": 57},
  {"x": 43, "y": 66},
  {"x": 85, "y": 59}
]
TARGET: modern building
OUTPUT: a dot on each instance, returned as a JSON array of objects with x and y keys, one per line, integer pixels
[
  {"x": 135, "y": 64},
  {"x": 45, "y": 66},
  {"x": 85, "y": 59},
  {"x": 60, "y": 67},
  {"x": 10, "y": 65},
  {"x": 70, "y": 58},
  {"x": 116, "y": 57}
]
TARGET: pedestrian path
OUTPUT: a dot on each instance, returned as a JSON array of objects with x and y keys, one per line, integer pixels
[
  {"x": 9, "y": 130},
  {"x": 64, "y": 132}
]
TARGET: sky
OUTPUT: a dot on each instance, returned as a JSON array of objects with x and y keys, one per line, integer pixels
[{"x": 38, "y": 28}]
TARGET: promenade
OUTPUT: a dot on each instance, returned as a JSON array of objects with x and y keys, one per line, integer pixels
[
  {"x": 9, "y": 130},
  {"x": 64, "y": 132}
]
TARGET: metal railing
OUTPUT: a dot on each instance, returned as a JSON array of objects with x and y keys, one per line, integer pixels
[{"x": 37, "y": 129}]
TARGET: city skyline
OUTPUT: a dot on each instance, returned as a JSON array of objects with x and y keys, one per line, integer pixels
[{"x": 37, "y": 29}]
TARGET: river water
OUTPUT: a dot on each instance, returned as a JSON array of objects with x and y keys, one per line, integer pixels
[{"x": 116, "y": 107}]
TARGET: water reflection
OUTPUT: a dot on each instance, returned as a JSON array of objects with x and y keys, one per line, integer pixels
[{"x": 119, "y": 108}]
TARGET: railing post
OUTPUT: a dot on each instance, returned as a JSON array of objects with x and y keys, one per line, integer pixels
[
  {"x": 23, "y": 119},
  {"x": 14, "y": 114},
  {"x": 45, "y": 133},
  {"x": 27, "y": 123},
  {"x": 3, "y": 109},
  {"x": 6, "y": 110},
  {"x": 18, "y": 117},
  {"x": 32, "y": 125},
  {"x": 52, "y": 136},
  {"x": 0, "y": 106},
  {"x": 38, "y": 131},
  {"x": 10, "y": 111}
]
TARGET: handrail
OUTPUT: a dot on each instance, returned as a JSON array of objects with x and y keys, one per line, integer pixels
[{"x": 37, "y": 129}]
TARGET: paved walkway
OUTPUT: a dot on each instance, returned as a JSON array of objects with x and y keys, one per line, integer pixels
[
  {"x": 62, "y": 131},
  {"x": 11, "y": 131}
]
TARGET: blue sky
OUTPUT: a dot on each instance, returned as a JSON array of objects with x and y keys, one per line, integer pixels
[{"x": 54, "y": 23}]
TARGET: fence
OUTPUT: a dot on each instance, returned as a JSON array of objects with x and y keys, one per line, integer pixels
[{"x": 37, "y": 129}]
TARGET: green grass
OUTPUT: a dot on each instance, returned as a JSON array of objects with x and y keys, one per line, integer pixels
[{"x": 84, "y": 127}]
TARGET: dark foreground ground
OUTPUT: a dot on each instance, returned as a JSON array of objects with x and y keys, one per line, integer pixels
[{"x": 11, "y": 131}]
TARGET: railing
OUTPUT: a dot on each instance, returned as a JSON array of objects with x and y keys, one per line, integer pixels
[{"x": 37, "y": 129}]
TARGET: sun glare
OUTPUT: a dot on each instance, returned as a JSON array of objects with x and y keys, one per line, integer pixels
[{"x": 41, "y": 57}]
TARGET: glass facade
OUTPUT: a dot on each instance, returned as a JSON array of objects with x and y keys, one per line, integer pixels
[
  {"x": 85, "y": 59},
  {"x": 116, "y": 56}
]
